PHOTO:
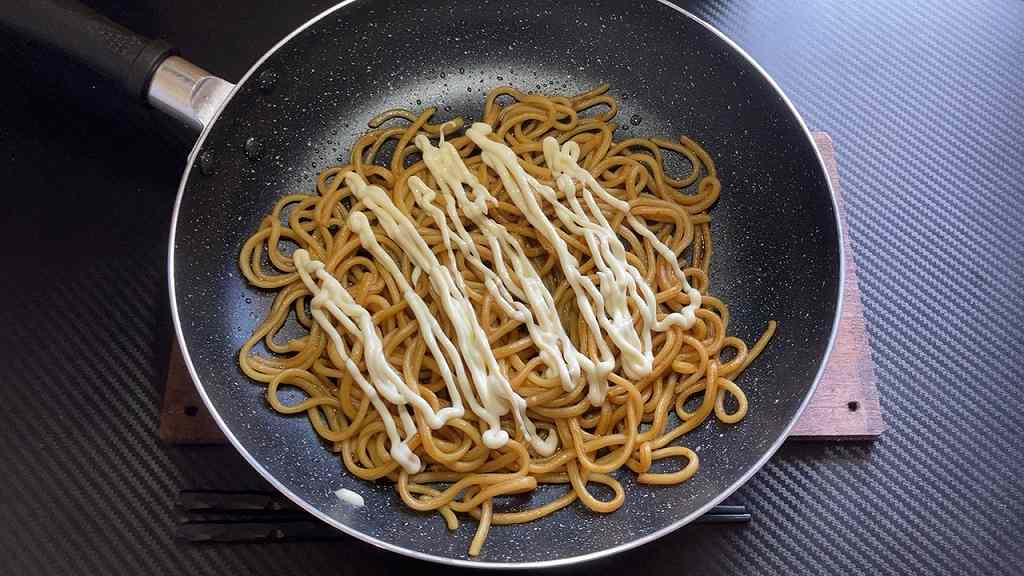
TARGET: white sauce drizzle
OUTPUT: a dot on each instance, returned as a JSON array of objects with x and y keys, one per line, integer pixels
[
  {"x": 492, "y": 388},
  {"x": 562, "y": 162},
  {"x": 620, "y": 282},
  {"x": 555, "y": 348},
  {"x": 604, "y": 308},
  {"x": 349, "y": 497},
  {"x": 331, "y": 296}
]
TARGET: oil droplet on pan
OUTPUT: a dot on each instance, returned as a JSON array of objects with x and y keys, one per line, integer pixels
[
  {"x": 207, "y": 162},
  {"x": 253, "y": 148},
  {"x": 266, "y": 81}
]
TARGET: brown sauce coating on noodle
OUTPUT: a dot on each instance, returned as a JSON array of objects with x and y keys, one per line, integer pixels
[{"x": 462, "y": 475}]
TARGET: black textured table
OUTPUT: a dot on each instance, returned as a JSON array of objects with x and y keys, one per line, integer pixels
[{"x": 925, "y": 102}]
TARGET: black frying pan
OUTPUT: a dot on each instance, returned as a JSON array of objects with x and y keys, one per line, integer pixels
[{"x": 299, "y": 108}]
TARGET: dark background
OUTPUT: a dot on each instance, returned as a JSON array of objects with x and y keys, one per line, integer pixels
[{"x": 925, "y": 102}]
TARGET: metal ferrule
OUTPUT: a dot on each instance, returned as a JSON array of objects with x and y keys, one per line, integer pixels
[{"x": 187, "y": 92}]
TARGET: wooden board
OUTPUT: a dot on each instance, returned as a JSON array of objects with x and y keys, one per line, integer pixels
[
  {"x": 845, "y": 405},
  {"x": 183, "y": 416}
]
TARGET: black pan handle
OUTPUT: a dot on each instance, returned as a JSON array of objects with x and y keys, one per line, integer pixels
[
  {"x": 77, "y": 30},
  {"x": 147, "y": 69}
]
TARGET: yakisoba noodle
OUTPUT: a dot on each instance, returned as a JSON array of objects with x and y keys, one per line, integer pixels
[{"x": 522, "y": 304}]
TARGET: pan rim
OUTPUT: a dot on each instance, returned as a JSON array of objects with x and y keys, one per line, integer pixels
[{"x": 468, "y": 563}]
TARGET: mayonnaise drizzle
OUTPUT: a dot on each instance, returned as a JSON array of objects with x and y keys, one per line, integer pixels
[
  {"x": 331, "y": 296},
  {"x": 539, "y": 314},
  {"x": 603, "y": 307},
  {"x": 492, "y": 388},
  {"x": 562, "y": 161},
  {"x": 620, "y": 282}
]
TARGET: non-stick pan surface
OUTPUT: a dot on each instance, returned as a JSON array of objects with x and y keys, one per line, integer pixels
[{"x": 300, "y": 108}]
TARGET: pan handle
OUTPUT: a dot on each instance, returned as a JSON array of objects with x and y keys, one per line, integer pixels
[{"x": 146, "y": 69}]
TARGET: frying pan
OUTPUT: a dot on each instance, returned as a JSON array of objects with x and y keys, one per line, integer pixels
[{"x": 300, "y": 107}]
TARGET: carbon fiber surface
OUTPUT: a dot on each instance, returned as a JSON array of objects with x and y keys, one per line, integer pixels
[{"x": 925, "y": 102}]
